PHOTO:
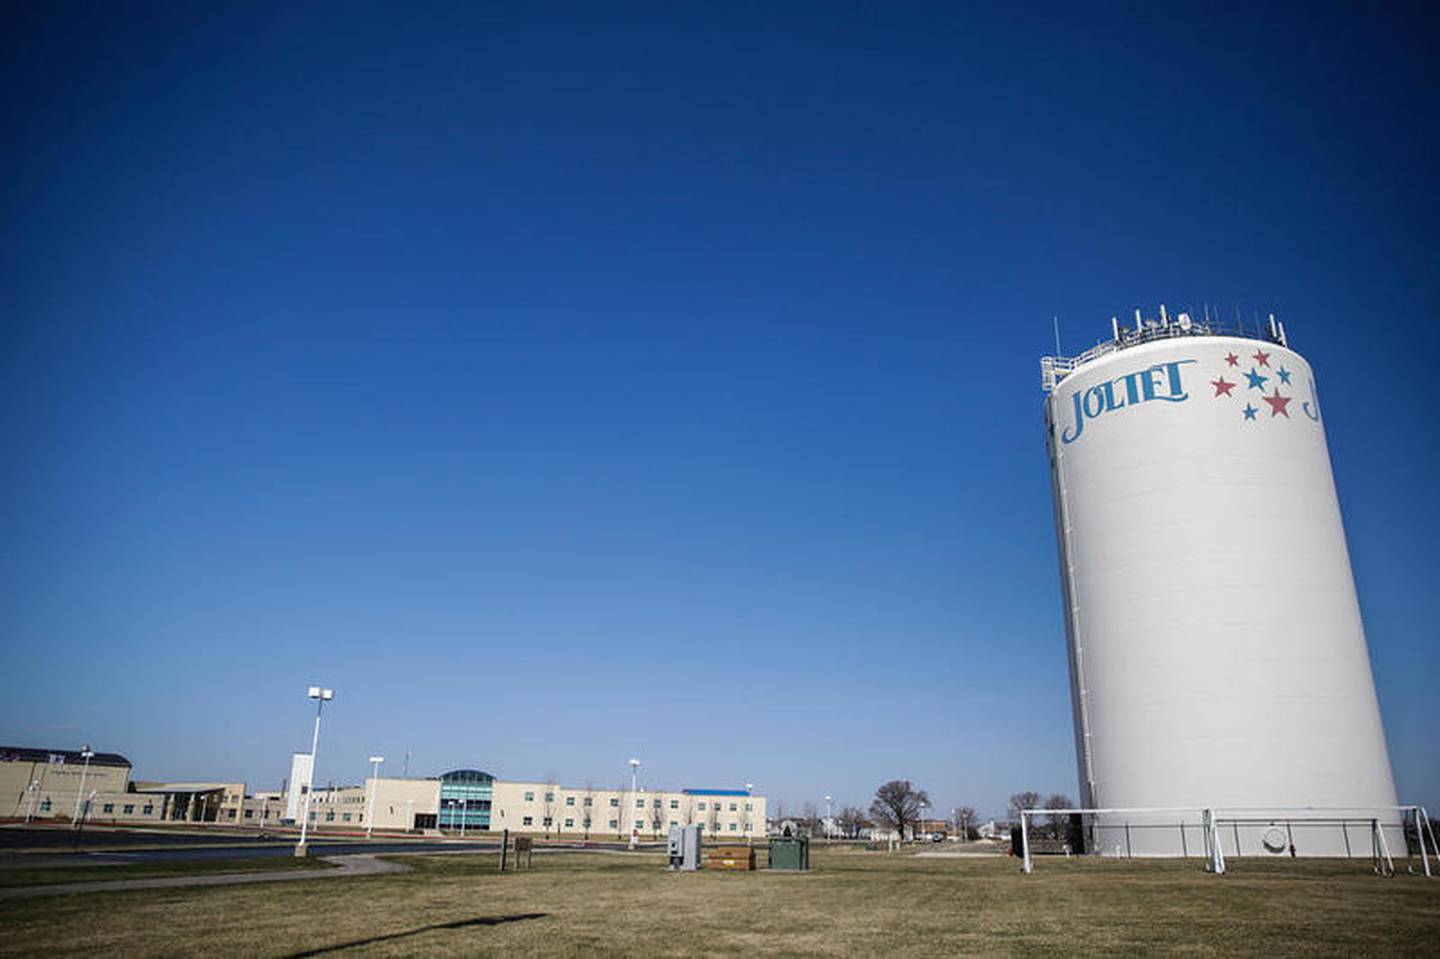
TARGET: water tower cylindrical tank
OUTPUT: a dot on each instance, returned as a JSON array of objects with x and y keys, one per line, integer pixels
[{"x": 1217, "y": 654}]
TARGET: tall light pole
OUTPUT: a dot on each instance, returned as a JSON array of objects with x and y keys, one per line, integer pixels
[
  {"x": 88, "y": 754},
  {"x": 374, "y": 784},
  {"x": 915, "y": 833},
  {"x": 828, "y": 818},
  {"x": 321, "y": 697},
  {"x": 634, "y": 791},
  {"x": 451, "y": 804}
]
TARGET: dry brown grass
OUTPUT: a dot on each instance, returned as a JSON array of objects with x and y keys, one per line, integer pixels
[{"x": 853, "y": 903}]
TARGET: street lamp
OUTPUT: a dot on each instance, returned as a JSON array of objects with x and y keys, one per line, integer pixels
[
  {"x": 34, "y": 790},
  {"x": 374, "y": 784},
  {"x": 88, "y": 754},
  {"x": 634, "y": 791},
  {"x": 828, "y": 818},
  {"x": 321, "y": 697},
  {"x": 451, "y": 804},
  {"x": 915, "y": 833}
]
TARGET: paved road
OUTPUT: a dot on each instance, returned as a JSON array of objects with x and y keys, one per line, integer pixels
[
  {"x": 60, "y": 847},
  {"x": 358, "y": 865}
]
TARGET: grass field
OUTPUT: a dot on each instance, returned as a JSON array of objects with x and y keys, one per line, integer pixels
[
  {"x": 50, "y": 875},
  {"x": 853, "y": 903}
]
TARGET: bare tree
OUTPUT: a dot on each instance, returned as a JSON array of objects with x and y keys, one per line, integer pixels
[
  {"x": 587, "y": 808},
  {"x": 964, "y": 822},
  {"x": 712, "y": 817},
  {"x": 849, "y": 821},
  {"x": 1025, "y": 800},
  {"x": 550, "y": 806},
  {"x": 1058, "y": 824},
  {"x": 897, "y": 804},
  {"x": 621, "y": 802},
  {"x": 657, "y": 813},
  {"x": 810, "y": 813},
  {"x": 689, "y": 810}
]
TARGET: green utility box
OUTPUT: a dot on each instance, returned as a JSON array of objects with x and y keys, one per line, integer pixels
[{"x": 790, "y": 853}]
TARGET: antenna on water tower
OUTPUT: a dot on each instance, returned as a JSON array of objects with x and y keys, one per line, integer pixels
[{"x": 1057, "y": 336}]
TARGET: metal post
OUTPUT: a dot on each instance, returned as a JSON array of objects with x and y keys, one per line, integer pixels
[
  {"x": 504, "y": 848},
  {"x": 1025, "y": 842},
  {"x": 375, "y": 761},
  {"x": 320, "y": 695},
  {"x": 87, "y": 752},
  {"x": 1424, "y": 818},
  {"x": 34, "y": 791}
]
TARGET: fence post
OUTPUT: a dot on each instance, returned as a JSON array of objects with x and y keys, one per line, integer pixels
[{"x": 504, "y": 848}]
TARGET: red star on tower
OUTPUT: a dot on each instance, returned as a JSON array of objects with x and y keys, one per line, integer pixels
[
  {"x": 1277, "y": 404},
  {"x": 1232, "y": 359},
  {"x": 1262, "y": 358},
  {"x": 1222, "y": 388}
]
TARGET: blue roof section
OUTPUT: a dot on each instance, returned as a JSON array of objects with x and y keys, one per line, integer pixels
[{"x": 714, "y": 792}]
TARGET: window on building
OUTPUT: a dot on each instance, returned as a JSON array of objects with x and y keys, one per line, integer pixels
[
  {"x": 229, "y": 814},
  {"x": 589, "y": 801},
  {"x": 639, "y": 824},
  {"x": 149, "y": 808},
  {"x": 732, "y": 807},
  {"x": 346, "y": 817},
  {"x": 674, "y": 804},
  {"x": 529, "y": 797},
  {"x": 249, "y": 814},
  {"x": 640, "y": 803},
  {"x": 655, "y": 803},
  {"x": 702, "y": 807},
  {"x": 528, "y": 821},
  {"x": 747, "y": 827},
  {"x": 45, "y": 806},
  {"x": 614, "y": 801},
  {"x": 614, "y": 824},
  {"x": 329, "y": 815},
  {"x": 674, "y": 823},
  {"x": 569, "y": 800},
  {"x": 569, "y": 824},
  {"x": 549, "y": 797},
  {"x": 587, "y": 823},
  {"x": 108, "y": 807},
  {"x": 732, "y": 827},
  {"x": 749, "y": 807},
  {"x": 129, "y": 809},
  {"x": 547, "y": 822}
]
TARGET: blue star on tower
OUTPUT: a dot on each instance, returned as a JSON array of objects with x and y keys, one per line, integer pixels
[
  {"x": 1284, "y": 375},
  {"x": 1249, "y": 410},
  {"x": 1257, "y": 382}
]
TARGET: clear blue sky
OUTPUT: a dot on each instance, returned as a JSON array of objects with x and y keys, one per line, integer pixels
[{"x": 566, "y": 383}]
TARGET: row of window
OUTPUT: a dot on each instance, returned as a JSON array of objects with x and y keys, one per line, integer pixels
[
  {"x": 639, "y": 803},
  {"x": 330, "y": 816},
  {"x": 109, "y": 808},
  {"x": 547, "y": 822}
]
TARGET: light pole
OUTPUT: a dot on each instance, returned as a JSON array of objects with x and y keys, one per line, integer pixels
[
  {"x": 374, "y": 784},
  {"x": 828, "y": 818},
  {"x": 634, "y": 791},
  {"x": 321, "y": 697},
  {"x": 451, "y": 804},
  {"x": 88, "y": 754},
  {"x": 34, "y": 790},
  {"x": 915, "y": 833}
]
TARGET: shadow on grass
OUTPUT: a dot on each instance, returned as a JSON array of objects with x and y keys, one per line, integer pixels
[{"x": 457, "y": 924}]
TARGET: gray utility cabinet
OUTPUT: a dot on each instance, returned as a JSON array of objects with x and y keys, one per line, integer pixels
[{"x": 684, "y": 847}]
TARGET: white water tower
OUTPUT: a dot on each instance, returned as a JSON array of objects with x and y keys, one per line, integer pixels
[{"x": 1217, "y": 655}]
